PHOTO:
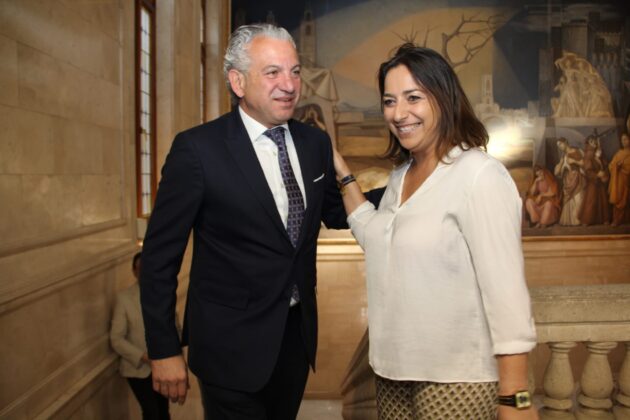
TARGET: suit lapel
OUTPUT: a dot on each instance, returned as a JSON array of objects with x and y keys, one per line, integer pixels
[
  {"x": 241, "y": 148},
  {"x": 307, "y": 161}
]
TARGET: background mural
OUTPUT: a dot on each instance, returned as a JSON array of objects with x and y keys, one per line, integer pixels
[{"x": 550, "y": 81}]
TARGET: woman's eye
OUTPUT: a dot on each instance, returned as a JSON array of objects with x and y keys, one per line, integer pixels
[{"x": 388, "y": 102}]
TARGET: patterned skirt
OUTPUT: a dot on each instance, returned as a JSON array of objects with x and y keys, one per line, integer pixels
[{"x": 412, "y": 400}]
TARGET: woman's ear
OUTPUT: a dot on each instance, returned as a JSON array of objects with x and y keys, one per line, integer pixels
[{"x": 237, "y": 82}]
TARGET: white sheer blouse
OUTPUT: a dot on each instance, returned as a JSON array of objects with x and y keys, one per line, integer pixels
[{"x": 445, "y": 277}]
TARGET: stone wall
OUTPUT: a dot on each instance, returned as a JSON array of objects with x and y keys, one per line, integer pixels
[
  {"x": 67, "y": 191},
  {"x": 67, "y": 188}
]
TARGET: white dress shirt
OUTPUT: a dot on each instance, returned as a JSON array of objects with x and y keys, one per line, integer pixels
[
  {"x": 267, "y": 153},
  {"x": 445, "y": 277}
]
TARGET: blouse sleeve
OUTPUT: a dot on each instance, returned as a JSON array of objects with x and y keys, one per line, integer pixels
[
  {"x": 491, "y": 224},
  {"x": 359, "y": 219}
]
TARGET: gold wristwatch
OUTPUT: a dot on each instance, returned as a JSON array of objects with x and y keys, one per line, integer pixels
[{"x": 521, "y": 400}]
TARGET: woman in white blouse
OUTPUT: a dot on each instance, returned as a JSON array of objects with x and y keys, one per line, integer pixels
[{"x": 449, "y": 313}]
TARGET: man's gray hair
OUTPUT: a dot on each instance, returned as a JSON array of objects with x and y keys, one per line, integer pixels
[{"x": 237, "y": 52}]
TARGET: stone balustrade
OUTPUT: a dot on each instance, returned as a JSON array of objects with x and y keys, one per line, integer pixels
[
  {"x": 568, "y": 319},
  {"x": 598, "y": 319}
]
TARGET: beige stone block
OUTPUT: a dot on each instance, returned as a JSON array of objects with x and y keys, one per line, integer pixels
[
  {"x": 66, "y": 211},
  {"x": 10, "y": 210},
  {"x": 110, "y": 60},
  {"x": 25, "y": 142},
  {"x": 19, "y": 362},
  {"x": 103, "y": 103},
  {"x": 8, "y": 71},
  {"x": 74, "y": 251},
  {"x": 36, "y": 140},
  {"x": 101, "y": 197},
  {"x": 10, "y": 146},
  {"x": 53, "y": 87},
  {"x": 49, "y": 206},
  {"x": 112, "y": 148},
  {"x": 40, "y": 197},
  {"x": 78, "y": 147},
  {"x": 62, "y": 33},
  {"x": 103, "y": 14},
  {"x": 34, "y": 143},
  {"x": 44, "y": 84},
  {"x": 49, "y": 332}
]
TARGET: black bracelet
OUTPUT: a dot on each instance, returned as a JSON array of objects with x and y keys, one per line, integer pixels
[{"x": 346, "y": 180}]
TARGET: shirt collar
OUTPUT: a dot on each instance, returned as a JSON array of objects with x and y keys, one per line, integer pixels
[
  {"x": 448, "y": 158},
  {"x": 452, "y": 154},
  {"x": 254, "y": 128}
]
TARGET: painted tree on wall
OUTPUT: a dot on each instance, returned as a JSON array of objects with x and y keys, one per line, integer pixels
[{"x": 472, "y": 34}]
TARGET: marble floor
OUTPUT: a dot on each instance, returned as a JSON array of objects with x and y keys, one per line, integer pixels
[
  {"x": 320, "y": 410},
  {"x": 309, "y": 410}
]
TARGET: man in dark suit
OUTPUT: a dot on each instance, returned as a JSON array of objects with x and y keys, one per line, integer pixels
[{"x": 254, "y": 199}]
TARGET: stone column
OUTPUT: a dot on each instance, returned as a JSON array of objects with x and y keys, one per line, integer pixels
[
  {"x": 596, "y": 383},
  {"x": 622, "y": 411},
  {"x": 558, "y": 383}
]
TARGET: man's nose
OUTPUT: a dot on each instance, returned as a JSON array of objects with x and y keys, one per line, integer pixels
[{"x": 289, "y": 82}]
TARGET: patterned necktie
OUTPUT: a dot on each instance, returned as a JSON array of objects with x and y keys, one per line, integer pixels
[{"x": 296, "y": 201}]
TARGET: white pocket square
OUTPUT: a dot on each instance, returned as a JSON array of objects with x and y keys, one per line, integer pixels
[{"x": 319, "y": 178}]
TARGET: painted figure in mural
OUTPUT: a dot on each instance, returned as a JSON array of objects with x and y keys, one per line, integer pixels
[
  {"x": 595, "y": 209},
  {"x": 619, "y": 186},
  {"x": 597, "y": 101},
  {"x": 569, "y": 170},
  {"x": 312, "y": 118},
  {"x": 472, "y": 288},
  {"x": 582, "y": 91},
  {"x": 543, "y": 198},
  {"x": 568, "y": 103}
]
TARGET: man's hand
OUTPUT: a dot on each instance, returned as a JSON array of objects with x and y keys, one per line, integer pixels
[{"x": 170, "y": 378}]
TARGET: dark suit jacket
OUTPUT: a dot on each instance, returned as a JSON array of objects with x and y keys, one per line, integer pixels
[{"x": 243, "y": 263}]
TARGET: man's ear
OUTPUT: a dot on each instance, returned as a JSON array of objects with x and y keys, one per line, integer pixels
[{"x": 237, "y": 82}]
